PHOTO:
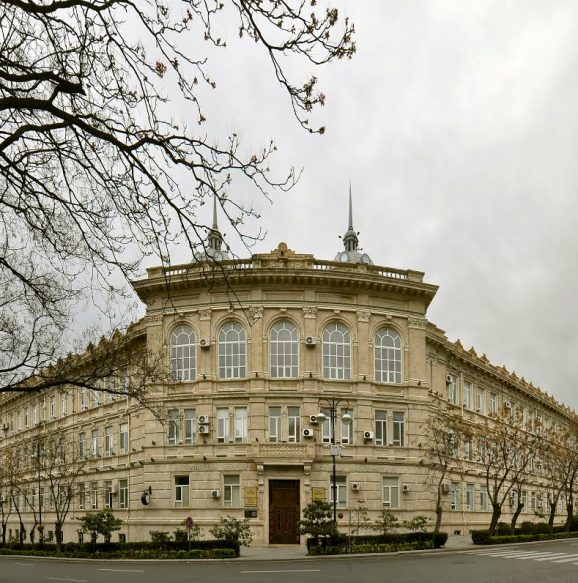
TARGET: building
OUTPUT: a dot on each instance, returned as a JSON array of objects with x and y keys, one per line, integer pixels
[{"x": 256, "y": 349}]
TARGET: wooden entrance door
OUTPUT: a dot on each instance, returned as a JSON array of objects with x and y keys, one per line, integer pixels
[{"x": 284, "y": 512}]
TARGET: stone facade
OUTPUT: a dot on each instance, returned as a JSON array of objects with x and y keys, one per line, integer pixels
[{"x": 239, "y": 433}]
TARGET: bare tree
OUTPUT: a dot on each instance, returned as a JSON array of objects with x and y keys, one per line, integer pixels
[
  {"x": 444, "y": 432},
  {"x": 506, "y": 450},
  {"x": 95, "y": 173},
  {"x": 8, "y": 474}
]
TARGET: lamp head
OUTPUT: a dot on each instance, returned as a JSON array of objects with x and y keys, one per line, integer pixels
[
  {"x": 321, "y": 417},
  {"x": 346, "y": 418}
]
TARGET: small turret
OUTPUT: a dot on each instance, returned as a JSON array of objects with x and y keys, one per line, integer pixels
[{"x": 351, "y": 242}]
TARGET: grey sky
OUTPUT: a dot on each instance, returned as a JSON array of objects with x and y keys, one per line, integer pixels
[{"x": 457, "y": 125}]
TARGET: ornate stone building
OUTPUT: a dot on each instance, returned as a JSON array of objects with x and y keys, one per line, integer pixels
[{"x": 257, "y": 348}]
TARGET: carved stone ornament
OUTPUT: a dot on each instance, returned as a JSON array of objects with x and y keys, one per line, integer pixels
[
  {"x": 363, "y": 315},
  {"x": 309, "y": 312},
  {"x": 417, "y": 322},
  {"x": 256, "y": 312},
  {"x": 156, "y": 319},
  {"x": 205, "y": 314}
]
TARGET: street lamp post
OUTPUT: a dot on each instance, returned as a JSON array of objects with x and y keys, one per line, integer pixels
[{"x": 333, "y": 405}]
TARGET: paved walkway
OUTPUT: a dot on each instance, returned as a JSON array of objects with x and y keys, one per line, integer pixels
[{"x": 289, "y": 552}]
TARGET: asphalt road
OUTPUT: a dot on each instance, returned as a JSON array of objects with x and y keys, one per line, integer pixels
[{"x": 548, "y": 562}]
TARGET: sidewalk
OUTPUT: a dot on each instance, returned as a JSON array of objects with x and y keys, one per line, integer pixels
[{"x": 291, "y": 552}]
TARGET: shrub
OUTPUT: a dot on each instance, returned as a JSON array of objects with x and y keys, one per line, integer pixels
[
  {"x": 234, "y": 530},
  {"x": 317, "y": 521},
  {"x": 385, "y": 521},
  {"x": 416, "y": 524},
  {"x": 158, "y": 536},
  {"x": 503, "y": 528}
]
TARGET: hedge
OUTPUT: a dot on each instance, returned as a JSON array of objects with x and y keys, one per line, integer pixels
[
  {"x": 392, "y": 542},
  {"x": 483, "y": 537},
  {"x": 205, "y": 549}
]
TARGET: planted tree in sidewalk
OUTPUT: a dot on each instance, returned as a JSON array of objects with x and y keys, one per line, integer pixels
[
  {"x": 103, "y": 522},
  {"x": 506, "y": 449},
  {"x": 444, "y": 432},
  {"x": 317, "y": 521},
  {"x": 234, "y": 530}
]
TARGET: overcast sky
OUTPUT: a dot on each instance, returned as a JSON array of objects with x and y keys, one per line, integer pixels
[{"x": 456, "y": 124}]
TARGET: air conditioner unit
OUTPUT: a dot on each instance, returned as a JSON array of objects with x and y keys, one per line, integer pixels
[
  {"x": 453, "y": 506},
  {"x": 204, "y": 429},
  {"x": 540, "y": 504},
  {"x": 215, "y": 493},
  {"x": 368, "y": 435},
  {"x": 449, "y": 379},
  {"x": 446, "y": 488},
  {"x": 356, "y": 486},
  {"x": 387, "y": 504},
  {"x": 308, "y": 432},
  {"x": 112, "y": 489},
  {"x": 205, "y": 342},
  {"x": 204, "y": 419},
  {"x": 405, "y": 488},
  {"x": 313, "y": 419},
  {"x": 507, "y": 404},
  {"x": 310, "y": 341}
]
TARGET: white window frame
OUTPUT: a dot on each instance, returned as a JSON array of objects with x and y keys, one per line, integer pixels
[
  {"x": 108, "y": 440},
  {"x": 223, "y": 425},
  {"x": 341, "y": 487},
  {"x": 241, "y": 424},
  {"x": 347, "y": 428},
  {"x": 390, "y": 488},
  {"x": 468, "y": 390},
  {"x": 293, "y": 424},
  {"x": 124, "y": 438},
  {"x": 232, "y": 491},
  {"x": 232, "y": 347},
  {"x": 123, "y": 498},
  {"x": 284, "y": 350},
  {"x": 387, "y": 352},
  {"x": 453, "y": 390},
  {"x": 398, "y": 433},
  {"x": 274, "y": 424},
  {"x": 173, "y": 427},
  {"x": 380, "y": 427},
  {"x": 470, "y": 497},
  {"x": 191, "y": 426},
  {"x": 95, "y": 443},
  {"x": 336, "y": 352},
  {"x": 183, "y": 353},
  {"x": 181, "y": 491},
  {"x": 483, "y": 498},
  {"x": 481, "y": 400}
]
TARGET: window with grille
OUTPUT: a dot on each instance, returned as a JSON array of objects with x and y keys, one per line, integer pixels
[
  {"x": 232, "y": 351},
  {"x": 387, "y": 356},
  {"x": 284, "y": 351},
  {"x": 336, "y": 352},
  {"x": 183, "y": 353}
]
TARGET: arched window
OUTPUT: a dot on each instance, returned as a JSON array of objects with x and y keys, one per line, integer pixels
[
  {"x": 387, "y": 356},
  {"x": 284, "y": 351},
  {"x": 232, "y": 351},
  {"x": 336, "y": 352},
  {"x": 183, "y": 362}
]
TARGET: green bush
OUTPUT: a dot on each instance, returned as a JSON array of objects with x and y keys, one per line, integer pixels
[
  {"x": 232, "y": 529},
  {"x": 483, "y": 537},
  {"x": 503, "y": 528}
]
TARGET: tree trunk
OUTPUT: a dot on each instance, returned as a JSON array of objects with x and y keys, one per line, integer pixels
[
  {"x": 439, "y": 512},
  {"x": 3, "y": 534},
  {"x": 58, "y": 535},
  {"x": 496, "y": 513},
  {"x": 569, "y": 516},
  {"x": 516, "y": 515},
  {"x": 22, "y": 534},
  {"x": 552, "y": 516}
]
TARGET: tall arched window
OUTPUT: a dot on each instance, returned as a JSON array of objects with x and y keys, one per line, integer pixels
[
  {"x": 284, "y": 351},
  {"x": 183, "y": 365},
  {"x": 232, "y": 351},
  {"x": 336, "y": 352},
  {"x": 387, "y": 356}
]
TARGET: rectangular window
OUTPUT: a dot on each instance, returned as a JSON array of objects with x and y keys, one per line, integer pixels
[
  {"x": 81, "y": 496},
  {"x": 468, "y": 450},
  {"x": 455, "y": 496},
  {"x": 26, "y": 418},
  {"x": 64, "y": 405},
  {"x": 94, "y": 495},
  {"x": 123, "y": 493},
  {"x": 222, "y": 426},
  {"x": 83, "y": 398},
  {"x": 468, "y": 390},
  {"x": 524, "y": 500},
  {"x": 381, "y": 428},
  {"x": 108, "y": 494},
  {"x": 347, "y": 428},
  {"x": 124, "y": 381},
  {"x": 293, "y": 424},
  {"x": 326, "y": 429},
  {"x": 274, "y": 424},
  {"x": 452, "y": 390},
  {"x": 124, "y": 442},
  {"x": 481, "y": 401},
  {"x": 483, "y": 497},
  {"x": 469, "y": 496},
  {"x": 108, "y": 441},
  {"x": 533, "y": 500},
  {"x": 181, "y": 490},
  {"x": 82, "y": 451},
  {"x": 240, "y": 424},
  {"x": 390, "y": 493},
  {"x": 94, "y": 443},
  {"x": 53, "y": 407},
  {"x": 398, "y": 429},
  {"x": 493, "y": 403},
  {"x": 109, "y": 386},
  {"x": 43, "y": 410},
  {"x": 232, "y": 488},
  {"x": 173, "y": 427},
  {"x": 341, "y": 491},
  {"x": 35, "y": 414},
  {"x": 190, "y": 425},
  {"x": 95, "y": 398}
]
